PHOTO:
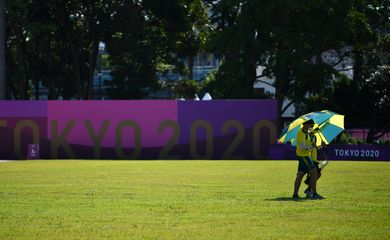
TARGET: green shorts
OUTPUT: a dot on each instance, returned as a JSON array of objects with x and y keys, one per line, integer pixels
[{"x": 305, "y": 164}]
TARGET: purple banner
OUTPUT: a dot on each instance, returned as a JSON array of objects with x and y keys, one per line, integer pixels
[
  {"x": 138, "y": 129},
  {"x": 87, "y": 119},
  {"x": 337, "y": 152},
  {"x": 148, "y": 129},
  {"x": 229, "y": 129},
  {"x": 23, "y": 109}
]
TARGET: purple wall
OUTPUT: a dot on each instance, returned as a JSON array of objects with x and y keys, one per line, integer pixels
[
  {"x": 218, "y": 129},
  {"x": 138, "y": 129}
]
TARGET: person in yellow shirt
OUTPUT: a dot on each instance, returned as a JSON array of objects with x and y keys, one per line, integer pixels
[
  {"x": 314, "y": 158},
  {"x": 303, "y": 152}
]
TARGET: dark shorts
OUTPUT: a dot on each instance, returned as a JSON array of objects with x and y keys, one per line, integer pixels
[{"x": 305, "y": 164}]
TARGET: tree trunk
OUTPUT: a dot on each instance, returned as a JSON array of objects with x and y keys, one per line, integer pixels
[
  {"x": 191, "y": 67},
  {"x": 92, "y": 64},
  {"x": 373, "y": 129},
  {"x": 249, "y": 80},
  {"x": 94, "y": 49},
  {"x": 281, "y": 89},
  {"x": 358, "y": 67},
  {"x": 36, "y": 88},
  {"x": 371, "y": 136},
  {"x": 279, "y": 124},
  {"x": 2, "y": 51},
  {"x": 22, "y": 72},
  {"x": 250, "y": 64},
  {"x": 73, "y": 48},
  {"x": 50, "y": 94},
  {"x": 76, "y": 69}
]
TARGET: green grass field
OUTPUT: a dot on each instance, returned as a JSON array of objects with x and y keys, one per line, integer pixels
[{"x": 190, "y": 200}]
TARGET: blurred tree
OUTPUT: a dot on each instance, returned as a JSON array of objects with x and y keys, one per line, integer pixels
[
  {"x": 48, "y": 40},
  {"x": 193, "y": 39},
  {"x": 83, "y": 23},
  {"x": 357, "y": 98},
  {"x": 133, "y": 47},
  {"x": 230, "y": 40},
  {"x": 56, "y": 43},
  {"x": 186, "y": 89},
  {"x": 376, "y": 90},
  {"x": 18, "y": 16},
  {"x": 288, "y": 38},
  {"x": 147, "y": 35},
  {"x": 48, "y": 56}
]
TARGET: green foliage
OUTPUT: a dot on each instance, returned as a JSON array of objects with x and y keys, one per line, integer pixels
[
  {"x": 378, "y": 86},
  {"x": 288, "y": 38},
  {"x": 377, "y": 101},
  {"x": 229, "y": 80},
  {"x": 132, "y": 48},
  {"x": 57, "y": 43},
  {"x": 105, "y": 63},
  {"x": 371, "y": 79},
  {"x": 148, "y": 37},
  {"x": 346, "y": 138},
  {"x": 210, "y": 85},
  {"x": 186, "y": 89},
  {"x": 190, "y": 200}
]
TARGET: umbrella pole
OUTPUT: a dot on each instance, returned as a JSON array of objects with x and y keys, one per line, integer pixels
[{"x": 325, "y": 156}]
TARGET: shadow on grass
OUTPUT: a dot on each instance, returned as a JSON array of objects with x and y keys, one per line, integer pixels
[{"x": 287, "y": 199}]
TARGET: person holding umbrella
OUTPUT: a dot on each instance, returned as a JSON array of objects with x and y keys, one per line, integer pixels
[
  {"x": 328, "y": 125},
  {"x": 314, "y": 158},
  {"x": 306, "y": 165}
]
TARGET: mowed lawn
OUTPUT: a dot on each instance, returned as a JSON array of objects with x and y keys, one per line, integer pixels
[{"x": 190, "y": 200}]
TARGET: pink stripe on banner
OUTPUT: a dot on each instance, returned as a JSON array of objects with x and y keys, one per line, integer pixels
[{"x": 109, "y": 117}]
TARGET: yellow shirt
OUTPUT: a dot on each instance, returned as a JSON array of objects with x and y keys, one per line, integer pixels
[
  {"x": 303, "y": 137},
  {"x": 314, "y": 152}
]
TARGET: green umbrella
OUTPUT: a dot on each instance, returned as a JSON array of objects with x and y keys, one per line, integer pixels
[{"x": 327, "y": 126}]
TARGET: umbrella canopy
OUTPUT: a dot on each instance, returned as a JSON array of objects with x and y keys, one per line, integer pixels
[
  {"x": 329, "y": 130},
  {"x": 327, "y": 126}
]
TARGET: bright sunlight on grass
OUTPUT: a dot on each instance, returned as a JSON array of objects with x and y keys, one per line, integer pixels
[{"x": 190, "y": 200}]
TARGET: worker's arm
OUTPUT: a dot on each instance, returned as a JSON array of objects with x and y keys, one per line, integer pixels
[{"x": 303, "y": 146}]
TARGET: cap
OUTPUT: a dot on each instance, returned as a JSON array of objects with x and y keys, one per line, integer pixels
[{"x": 309, "y": 122}]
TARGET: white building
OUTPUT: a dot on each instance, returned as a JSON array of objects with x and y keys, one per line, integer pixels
[{"x": 266, "y": 85}]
